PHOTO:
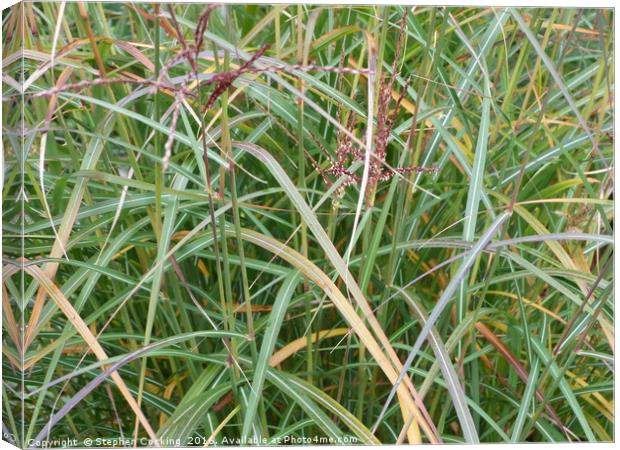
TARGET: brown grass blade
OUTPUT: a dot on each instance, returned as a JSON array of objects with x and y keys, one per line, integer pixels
[{"x": 49, "y": 287}]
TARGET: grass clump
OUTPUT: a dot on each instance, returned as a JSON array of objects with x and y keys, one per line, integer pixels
[{"x": 261, "y": 224}]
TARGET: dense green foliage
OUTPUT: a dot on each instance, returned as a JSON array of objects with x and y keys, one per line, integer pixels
[{"x": 237, "y": 223}]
